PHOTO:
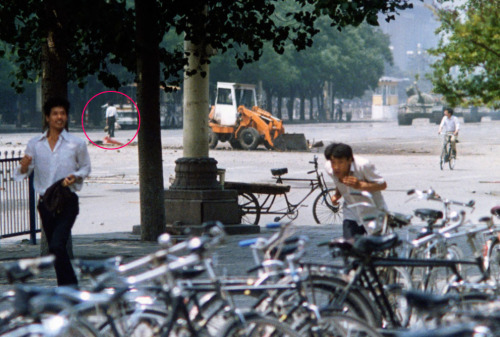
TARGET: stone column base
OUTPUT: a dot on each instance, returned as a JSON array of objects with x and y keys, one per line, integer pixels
[{"x": 190, "y": 208}]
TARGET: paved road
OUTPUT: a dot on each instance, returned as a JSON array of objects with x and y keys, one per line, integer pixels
[{"x": 406, "y": 156}]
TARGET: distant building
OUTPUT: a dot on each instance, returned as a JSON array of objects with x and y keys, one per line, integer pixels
[{"x": 411, "y": 34}]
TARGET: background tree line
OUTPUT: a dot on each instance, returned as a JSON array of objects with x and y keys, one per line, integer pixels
[{"x": 348, "y": 62}]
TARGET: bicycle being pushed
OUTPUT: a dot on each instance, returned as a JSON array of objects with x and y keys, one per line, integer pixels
[
  {"x": 448, "y": 155},
  {"x": 324, "y": 212}
]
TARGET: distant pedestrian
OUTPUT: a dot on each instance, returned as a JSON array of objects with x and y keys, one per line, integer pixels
[
  {"x": 57, "y": 157},
  {"x": 111, "y": 118},
  {"x": 340, "y": 112},
  {"x": 353, "y": 173}
]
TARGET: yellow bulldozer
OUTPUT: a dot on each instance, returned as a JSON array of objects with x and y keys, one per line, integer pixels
[{"x": 232, "y": 120}]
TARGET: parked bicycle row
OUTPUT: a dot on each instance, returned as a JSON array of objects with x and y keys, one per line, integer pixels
[{"x": 372, "y": 287}]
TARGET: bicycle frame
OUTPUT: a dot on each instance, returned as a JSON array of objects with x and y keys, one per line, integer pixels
[
  {"x": 291, "y": 208},
  {"x": 367, "y": 277},
  {"x": 446, "y": 153}
]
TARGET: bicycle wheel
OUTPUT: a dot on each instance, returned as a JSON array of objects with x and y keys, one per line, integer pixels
[
  {"x": 79, "y": 328},
  {"x": 334, "y": 324},
  {"x": 324, "y": 211},
  {"x": 249, "y": 208},
  {"x": 443, "y": 158},
  {"x": 324, "y": 291},
  {"x": 395, "y": 280},
  {"x": 255, "y": 325},
  {"x": 494, "y": 260},
  {"x": 451, "y": 157},
  {"x": 464, "y": 304},
  {"x": 135, "y": 323}
]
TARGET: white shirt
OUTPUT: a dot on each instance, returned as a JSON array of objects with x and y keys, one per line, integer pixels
[
  {"x": 449, "y": 124},
  {"x": 110, "y": 111},
  {"x": 70, "y": 156},
  {"x": 362, "y": 169}
]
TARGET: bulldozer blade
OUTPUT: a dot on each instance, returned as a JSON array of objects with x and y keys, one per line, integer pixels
[{"x": 291, "y": 142}]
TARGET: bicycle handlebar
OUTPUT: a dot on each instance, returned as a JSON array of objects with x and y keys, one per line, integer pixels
[
  {"x": 442, "y": 232},
  {"x": 430, "y": 194}
]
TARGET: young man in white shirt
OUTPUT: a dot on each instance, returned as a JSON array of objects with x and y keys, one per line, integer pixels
[
  {"x": 353, "y": 173},
  {"x": 450, "y": 125},
  {"x": 111, "y": 118},
  {"x": 56, "y": 156}
]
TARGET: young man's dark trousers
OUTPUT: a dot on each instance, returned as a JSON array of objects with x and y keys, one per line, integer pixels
[
  {"x": 57, "y": 226},
  {"x": 111, "y": 126},
  {"x": 351, "y": 229}
]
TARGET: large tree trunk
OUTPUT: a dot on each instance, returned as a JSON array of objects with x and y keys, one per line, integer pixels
[
  {"x": 196, "y": 103},
  {"x": 279, "y": 105},
  {"x": 321, "y": 110},
  {"x": 311, "y": 106},
  {"x": 54, "y": 68},
  {"x": 290, "y": 104},
  {"x": 54, "y": 79},
  {"x": 302, "y": 109},
  {"x": 148, "y": 98}
]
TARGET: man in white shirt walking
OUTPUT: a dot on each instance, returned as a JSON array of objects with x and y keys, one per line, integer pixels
[
  {"x": 450, "y": 125},
  {"x": 350, "y": 174},
  {"x": 57, "y": 156},
  {"x": 111, "y": 118}
]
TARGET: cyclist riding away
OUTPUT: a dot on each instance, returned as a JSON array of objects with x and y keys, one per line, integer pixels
[
  {"x": 450, "y": 126},
  {"x": 350, "y": 174}
]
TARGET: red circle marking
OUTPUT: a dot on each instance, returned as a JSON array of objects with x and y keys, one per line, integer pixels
[{"x": 138, "y": 120}]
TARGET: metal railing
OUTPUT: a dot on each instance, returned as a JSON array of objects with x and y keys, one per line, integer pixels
[{"x": 18, "y": 214}]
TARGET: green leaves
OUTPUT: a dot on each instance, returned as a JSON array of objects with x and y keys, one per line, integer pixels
[{"x": 467, "y": 69}]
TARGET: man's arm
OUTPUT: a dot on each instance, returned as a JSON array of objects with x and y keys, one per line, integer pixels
[
  {"x": 336, "y": 197},
  {"x": 372, "y": 181},
  {"x": 83, "y": 160},
  {"x": 364, "y": 185},
  {"x": 26, "y": 164},
  {"x": 441, "y": 125}
]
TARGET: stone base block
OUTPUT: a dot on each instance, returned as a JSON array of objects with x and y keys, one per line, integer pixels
[{"x": 193, "y": 207}]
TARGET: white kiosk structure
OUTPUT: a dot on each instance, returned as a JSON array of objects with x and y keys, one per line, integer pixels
[{"x": 385, "y": 101}]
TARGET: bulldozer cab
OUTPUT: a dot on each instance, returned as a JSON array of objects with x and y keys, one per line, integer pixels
[{"x": 229, "y": 97}]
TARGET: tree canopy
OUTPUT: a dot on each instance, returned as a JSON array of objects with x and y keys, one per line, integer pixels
[
  {"x": 467, "y": 70},
  {"x": 98, "y": 44}
]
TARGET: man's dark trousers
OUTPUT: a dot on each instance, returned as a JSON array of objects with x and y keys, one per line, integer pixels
[
  {"x": 57, "y": 227},
  {"x": 111, "y": 126},
  {"x": 351, "y": 229}
]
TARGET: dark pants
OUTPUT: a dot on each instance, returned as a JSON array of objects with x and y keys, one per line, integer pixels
[
  {"x": 352, "y": 229},
  {"x": 57, "y": 227},
  {"x": 111, "y": 126}
]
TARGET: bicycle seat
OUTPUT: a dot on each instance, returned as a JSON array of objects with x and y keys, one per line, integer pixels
[
  {"x": 428, "y": 301},
  {"x": 279, "y": 171},
  {"x": 283, "y": 251},
  {"x": 341, "y": 243},
  {"x": 367, "y": 245},
  {"x": 428, "y": 214},
  {"x": 495, "y": 211},
  {"x": 399, "y": 219},
  {"x": 189, "y": 272}
]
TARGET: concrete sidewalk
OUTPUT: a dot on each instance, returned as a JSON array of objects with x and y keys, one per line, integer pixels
[{"x": 229, "y": 258}]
